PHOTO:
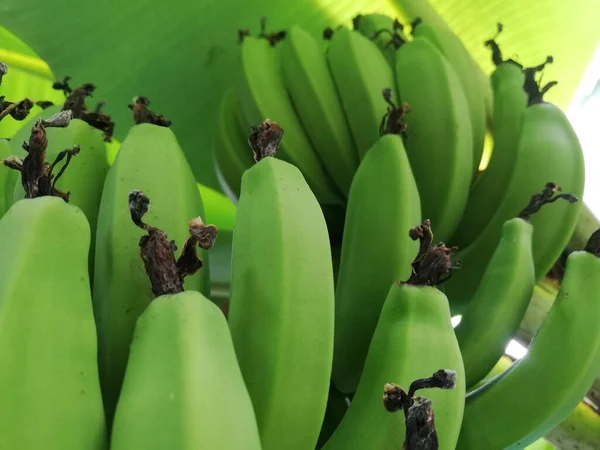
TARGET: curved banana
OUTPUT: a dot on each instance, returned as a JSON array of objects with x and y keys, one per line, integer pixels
[
  {"x": 386, "y": 32},
  {"x": 539, "y": 391},
  {"x": 499, "y": 304},
  {"x": 579, "y": 431},
  {"x": 413, "y": 338},
  {"x": 262, "y": 93},
  {"x": 361, "y": 73},
  {"x": 230, "y": 146},
  {"x": 438, "y": 134},
  {"x": 121, "y": 288},
  {"x": 375, "y": 252},
  {"x": 281, "y": 311},
  {"x": 315, "y": 99},
  {"x": 182, "y": 361},
  {"x": 510, "y": 102},
  {"x": 49, "y": 386},
  {"x": 466, "y": 69},
  {"x": 548, "y": 150}
]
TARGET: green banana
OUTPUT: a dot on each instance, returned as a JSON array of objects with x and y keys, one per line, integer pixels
[
  {"x": 500, "y": 302},
  {"x": 541, "y": 302},
  {"x": 8, "y": 178},
  {"x": 228, "y": 143},
  {"x": 85, "y": 178},
  {"x": 413, "y": 338},
  {"x": 262, "y": 93},
  {"x": 466, "y": 69},
  {"x": 510, "y": 103},
  {"x": 313, "y": 93},
  {"x": 49, "y": 386},
  {"x": 375, "y": 252},
  {"x": 361, "y": 73},
  {"x": 548, "y": 149},
  {"x": 539, "y": 391},
  {"x": 386, "y": 32},
  {"x": 121, "y": 288},
  {"x": 183, "y": 387},
  {"x": 439, "y": 140},
  {"x": 579, "y": 431},
  {"x": 281, "y": 311},
  {"x": 182, "y": 362}
]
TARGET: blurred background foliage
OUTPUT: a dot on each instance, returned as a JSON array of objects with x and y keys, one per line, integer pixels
[{"x": 182, "y": 54}]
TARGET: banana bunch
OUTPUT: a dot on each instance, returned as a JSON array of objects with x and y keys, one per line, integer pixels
[{"x": 344, "y": 153}]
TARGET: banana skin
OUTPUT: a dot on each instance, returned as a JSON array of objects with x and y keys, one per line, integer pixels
[
  {"x": 281, "y": 311},
  {"x": 538, "y": 392},
  {"x": 122, "y": 290},
  {"x": 438, "y": 134},
  {"x": 183, "y": 388},
  {"x": 499, "y": 305},
  {"x": 413, "y": 338},
  {"x": 49, "y": 386},
  {"x": 376, "y": 251}
]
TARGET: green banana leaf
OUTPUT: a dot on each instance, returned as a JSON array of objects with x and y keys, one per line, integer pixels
[
  {"x": 29, "y": 76},
  {"x": 182, "y": 54}
]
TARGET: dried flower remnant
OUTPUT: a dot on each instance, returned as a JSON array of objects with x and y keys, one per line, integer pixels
[
  {"x": 18, "y": 111},
  {"x": 75, "y": 102},
  {"x": 166, "y": 273},
  {"x": 433, "y": 264},
  {"x": 392, "y": 121},
  {"x": 37, "y": 177},
  {"x": 418, "y": 411},
  {"x": 141, "y": 113},
  {"x": 264, "y": 139}
]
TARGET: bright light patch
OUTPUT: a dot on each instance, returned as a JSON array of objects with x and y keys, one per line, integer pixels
[
  {"x": 455, "y": 321},
  {"x": 583, "y": 113},
  {"x": 515, "y": 350}
]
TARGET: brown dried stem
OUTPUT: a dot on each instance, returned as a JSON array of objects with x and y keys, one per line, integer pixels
[
  {"x": 37, "y": 176},
  {"x": 141, "y": 113},
  {"x": 264, "y": 139},
  {"x": 433, "y": 263},
  {"x": 158, "y": 253},
  {"x": 546, "y": 196}
]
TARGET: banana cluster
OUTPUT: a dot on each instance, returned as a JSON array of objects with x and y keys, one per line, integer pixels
[{"x": 344, "y": 154}]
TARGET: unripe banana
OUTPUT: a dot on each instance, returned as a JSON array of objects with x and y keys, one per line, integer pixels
[
  {"x": 376, "y": 251},
  {"x": 413, "y": 338},
  {"x": 500, "y": 302},
  {"x": 121, "y": 288},
  {"x": 361, "y": 73},
  {"x": 579, "y": 431},
  {"x": 228, "y": 147},
  {"x": 386, "y": 32},
  {"x": 539, "y": 391},
  {"x": 466, "y": 69},
  {"x": 86, "y": 174},
  {"x": 439, "y": 139},
  {"x": 548, "y": 150},
  {"x": 183, "y": 388},
  {"x": 313, "y": 93},
  {"x": 49, "y": 389},
  {"x": 281, "y": 312},
  {"x": 262, "y": 93},
  {"x": 510, "y": 103}
]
